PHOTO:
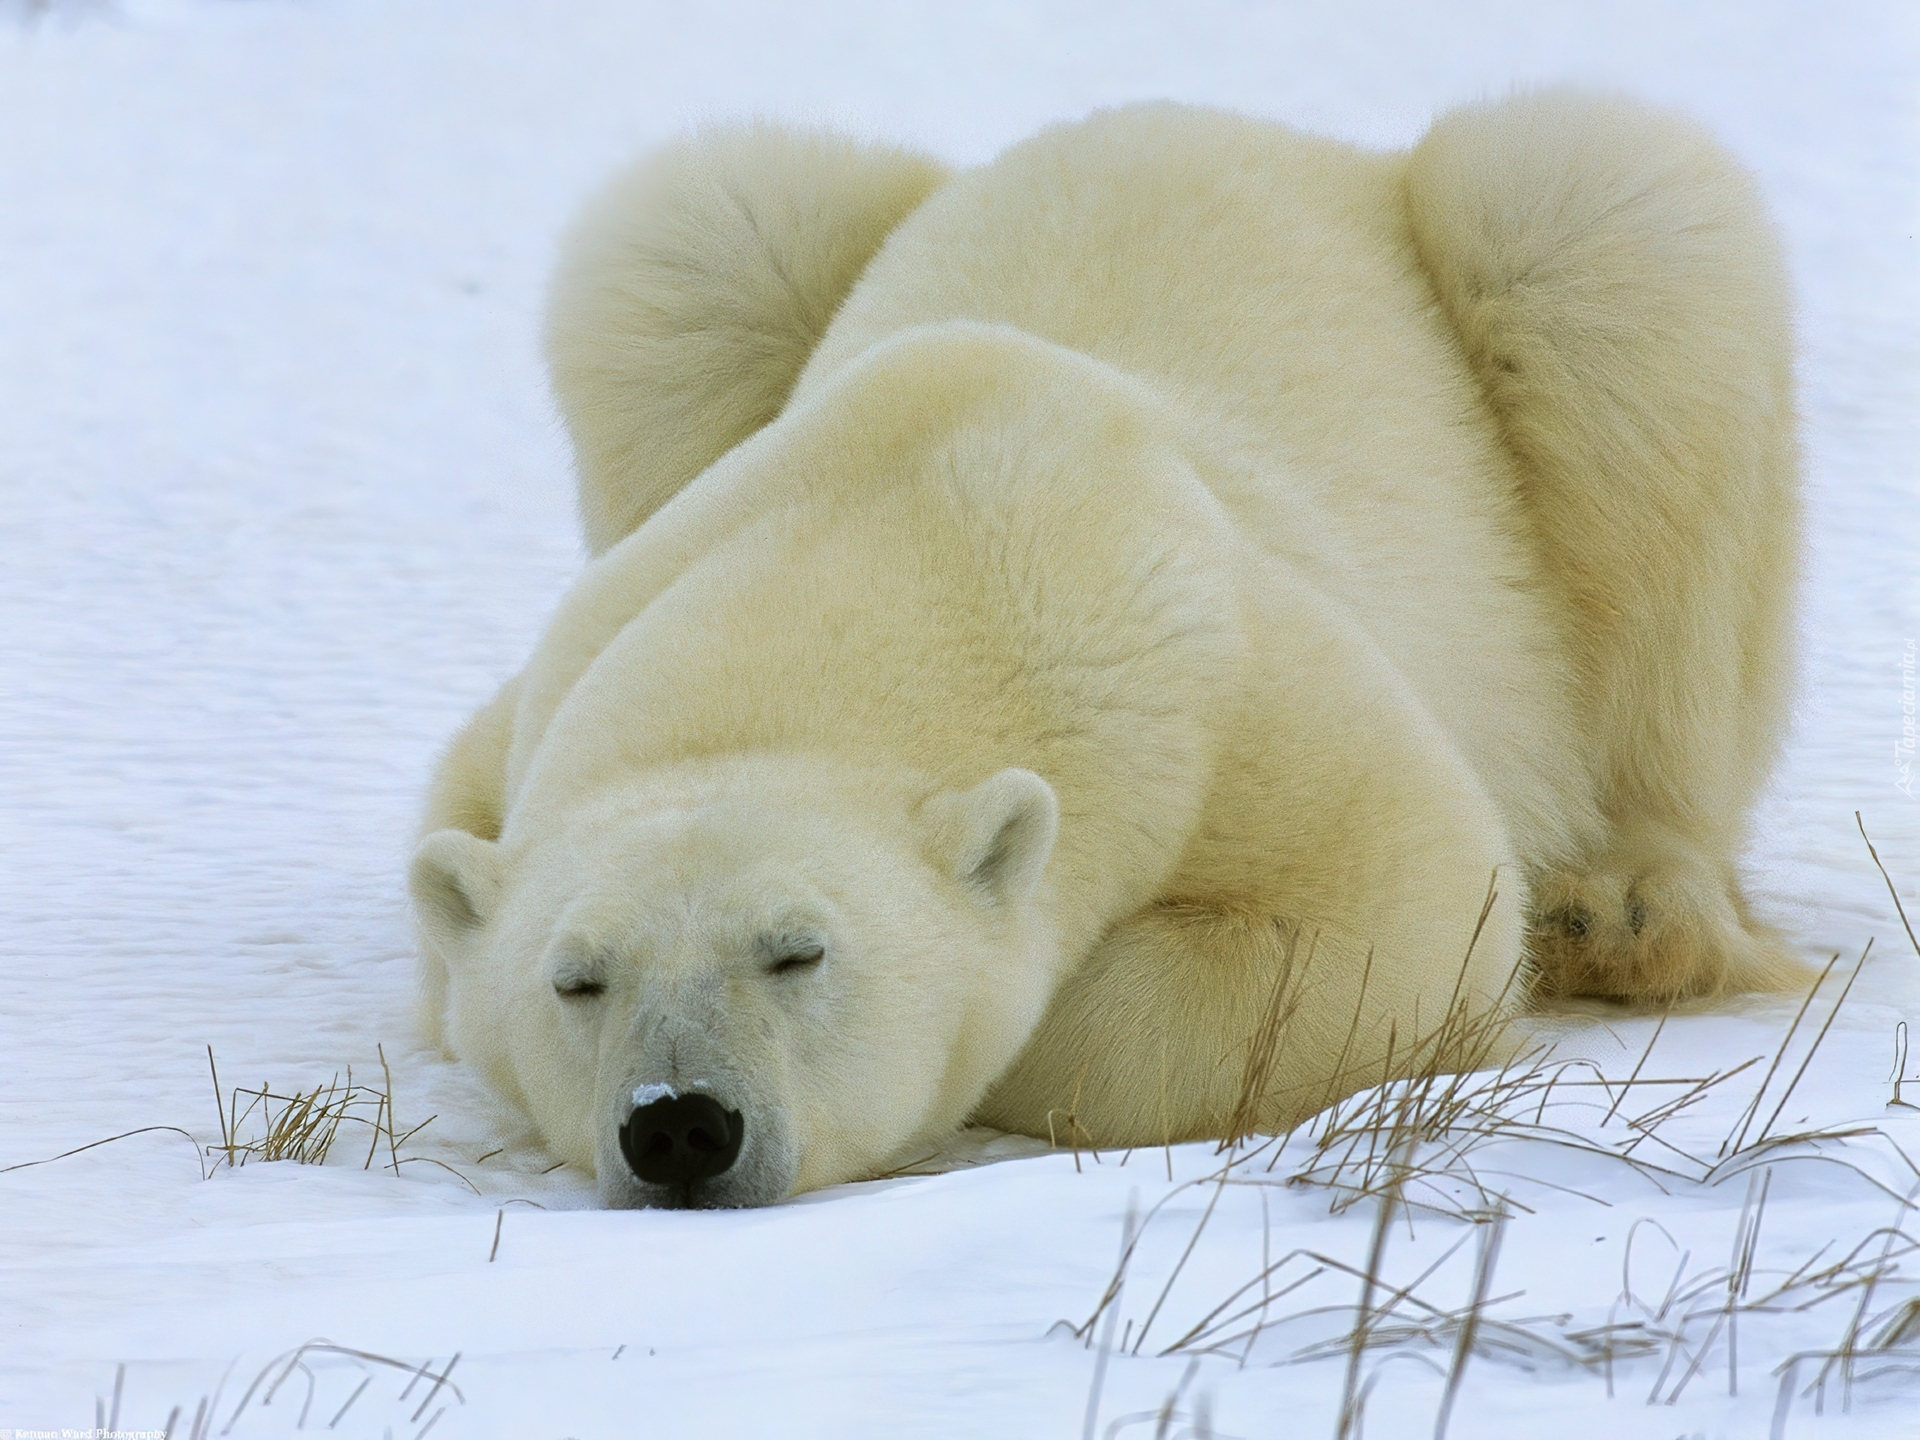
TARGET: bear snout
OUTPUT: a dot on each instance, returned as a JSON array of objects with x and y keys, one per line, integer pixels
[{"x": 677, "y": 1140}]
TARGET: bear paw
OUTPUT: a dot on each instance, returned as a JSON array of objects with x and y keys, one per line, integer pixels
[{"x": 1650, "y": 934}]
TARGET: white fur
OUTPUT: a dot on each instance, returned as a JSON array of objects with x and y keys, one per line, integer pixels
[
  {"x": 1194, "y": 561},
  {"x": 693, "y": 289}
]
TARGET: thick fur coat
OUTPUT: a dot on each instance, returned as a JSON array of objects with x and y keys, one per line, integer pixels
[{"x": 1047, "y": 620}]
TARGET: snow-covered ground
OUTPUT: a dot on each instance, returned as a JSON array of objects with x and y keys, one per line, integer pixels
[{"x": 282, "y": 498}]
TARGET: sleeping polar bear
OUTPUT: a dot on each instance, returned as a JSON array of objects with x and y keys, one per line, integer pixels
[{"x": 1046, "y": 618}]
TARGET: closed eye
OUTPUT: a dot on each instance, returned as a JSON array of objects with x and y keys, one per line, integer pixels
[
  {"x": 578, "y": 989},
  {"x": 796, "y": 960}
]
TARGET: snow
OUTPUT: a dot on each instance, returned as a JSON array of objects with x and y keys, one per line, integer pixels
[{"x": 283, "y": 500}]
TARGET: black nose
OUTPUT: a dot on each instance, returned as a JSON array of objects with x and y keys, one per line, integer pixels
[{"x": 681, "y": 1139}]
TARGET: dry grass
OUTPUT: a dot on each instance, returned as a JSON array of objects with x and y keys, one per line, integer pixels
[
  {"x": 320, "y": 1367},
  {"x": 1701, "y": 1309},
  {"x": 306, "y": 1123},
  {"x": 1420, "y": 1145},
  {"x": 263, "y": 1123},
  {"x": 1256, "y": 1076}
]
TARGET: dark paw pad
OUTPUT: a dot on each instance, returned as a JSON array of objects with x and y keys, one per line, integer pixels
[{"x": 1573, "y": 921}]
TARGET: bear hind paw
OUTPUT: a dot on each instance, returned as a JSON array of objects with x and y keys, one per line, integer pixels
[{"x": 1651, "y": 935}]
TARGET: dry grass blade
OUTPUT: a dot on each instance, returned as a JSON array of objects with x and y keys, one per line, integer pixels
[
  {"x": 1264, "y": 1047},
  {"x": 96, "y": 1144},
  {"x": 1898, "y": 907},
  {"x": 1900, "y": 1068},
  {"x": 1350, "y": 1400},
  {"x": 1738, "y": 1135},
  {"x": 1205, "y": 1333},
  {"x": 439, "y": 1381},
  {"x": 219, "y": 1106},
  {"x": 1814, "y": 1049},
  {"x": 1483, "y": 1268},
  {"x": 1180, "y": 1264},
  {"x": 1901, "y": 1327},
  {"x": 1639, "y": 1065},
  {"x": 1129, "y": 1235},
  {"x": 1740, "y": 1280},
  {"x": 393, "y": 1145}
]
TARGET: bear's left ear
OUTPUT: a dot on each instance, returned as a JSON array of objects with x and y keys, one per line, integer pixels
[
  {"x": 997, "y": 836},
  {"x": 455, "y": 880}
]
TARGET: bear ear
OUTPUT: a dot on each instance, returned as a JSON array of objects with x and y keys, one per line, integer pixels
[
  {"x": 455, "y": 880},
  {"x": 997, "y": 836}
]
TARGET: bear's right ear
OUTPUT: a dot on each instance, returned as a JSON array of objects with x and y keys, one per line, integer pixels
[
  {"x": 455, "y": 880},
  {"x": 997, "y": 836}
]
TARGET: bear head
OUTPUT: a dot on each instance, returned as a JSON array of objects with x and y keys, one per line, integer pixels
[{"x": 723, "y": 982}]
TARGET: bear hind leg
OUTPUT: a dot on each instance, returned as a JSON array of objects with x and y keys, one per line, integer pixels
[
  {"x": 691, "y": 291},
  {"x": 1620, "y": 296},
  {"x": 1646, "y": 930}
]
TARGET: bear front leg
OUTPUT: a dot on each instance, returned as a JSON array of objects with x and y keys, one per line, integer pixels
[{"x": 1349, "y": 900}]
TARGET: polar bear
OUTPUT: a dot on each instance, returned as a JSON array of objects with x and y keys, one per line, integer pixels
[{"x": 1121, "y": 643}]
